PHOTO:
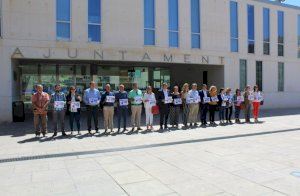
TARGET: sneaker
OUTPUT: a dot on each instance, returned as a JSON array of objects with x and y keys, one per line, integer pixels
[{"x": 55, "y": 134}]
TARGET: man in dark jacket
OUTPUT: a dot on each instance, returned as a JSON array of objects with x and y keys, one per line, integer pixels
[
  {"x": 164, "y": 100},
  {"x": 122, "y": 107},
  {"x": 204, "y": 104}
]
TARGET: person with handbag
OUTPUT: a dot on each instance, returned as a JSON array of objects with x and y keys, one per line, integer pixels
[
  {"x": 175, "y": 107},
  {"x": 149, "y": 102},
  {"x": 258, "y": 100},
  {"x": 72, "y": 106},
  {"x": 185, "y": 107},
  {"x": 40, "y": 101},
  {"x": 122, "y": 107},
  {"x": 164, "y": 99},
  {"x": 237, "y": 100}
]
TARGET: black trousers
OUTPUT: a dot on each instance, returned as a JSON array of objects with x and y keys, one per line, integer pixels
[
  {"x": 228, "y": 113},
  {"x": 164, "y": 110},
  {"x": 92, "y": 112},
  {"x": 204, "y": 110},
  {"x": 122, "y": 115},
  {"x": 212, "y": 109}
]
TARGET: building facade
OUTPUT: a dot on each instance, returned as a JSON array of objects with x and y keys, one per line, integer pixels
[{"x": 228, "y": 43}]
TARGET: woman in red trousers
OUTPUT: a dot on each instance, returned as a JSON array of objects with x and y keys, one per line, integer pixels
[{"x": 258, "y": 98}]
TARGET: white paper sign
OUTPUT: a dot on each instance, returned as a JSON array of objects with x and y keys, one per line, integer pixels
[
  {"x": 168, "y": 100},
  {"x": 215, "y": 99},
  {"x": 59, "y": 104},
  {"x": 240, "y": 98},
  {"x": 152, "y": 102},
  {"x": 225, "y": 98},
  {"x": 251, "y": 97},
  {"x": 177, "y": 101},
  {"x": 123, "y": 102},
  {"x": 260, "y": 97},
  {"x": 110, "y": 99},
  {"x": 193, "y": 100},
  {"x": 75, "y": 106},
  {"x": 206, "y": 99},
  {"x": 138, "y": 100},
  {"x": 93, "y": 101}
]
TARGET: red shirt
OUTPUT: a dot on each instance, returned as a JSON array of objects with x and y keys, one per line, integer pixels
[{"x": 39, "y": 100}]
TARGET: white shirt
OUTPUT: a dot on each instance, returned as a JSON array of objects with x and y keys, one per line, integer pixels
[
  {"x": 151, "y": 100},
  {"x": 166, "y": 93}
]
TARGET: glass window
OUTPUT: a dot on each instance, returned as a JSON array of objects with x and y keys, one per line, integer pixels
[
  {"x": 195, "y": 23},
  {"x": 243, "y": 74},
  {"x": 266, "y": 31},
  {"x": 280, "y": 77},
  {"x": 251, "y": 29},
  {"x": 66, "y": 77},
  {"x": 259, "y": 74},
  {"x": 63, "y": 19},
  {"x": 149, "y": 22},
  {"x": 280, "y": 17},
  {"x": 94, "y": 20},
  {"x": 234, "y": 32},
  {"x": 173, "y": 23},
  {"x": 298, "y": 33}
]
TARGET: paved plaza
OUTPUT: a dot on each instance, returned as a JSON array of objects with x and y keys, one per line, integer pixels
[{"x": 248, "y": 159}]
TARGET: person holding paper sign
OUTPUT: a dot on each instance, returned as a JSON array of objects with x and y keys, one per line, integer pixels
[
  {"x": 149, "y": 102},
  {"x": 108, "y": 101},
  {"x": 247, "y": 103},
  {"x": 222, "y": 105},
  {"x": 122, "y": 107},
  {"x": 40, "y": 101},
  {"x": 136, "y": 98},
  {"x": 73, "y": 98},
  {"x": 204, "y": 104},
  {"x": 164, "y": 105},
  {"x": 237, "y": 99},
  {"x": 229, "y": 106},
  {"x": 258, "y": 97},
  {"x": 92, "y": 99},
  {"x": 175, "y": 107},
  {"x": 58, "y": 99},
  {"x": 185, "y": 107},
  {"x": 213, "y": 92},
  {"x": 193, "y": 101}
]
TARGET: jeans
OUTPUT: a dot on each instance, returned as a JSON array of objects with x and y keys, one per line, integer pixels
[
  {"x": 204, "y": 109},
  {"x": 237, "y": 112},
  {"x": 122, "y": 114},
  {"x": 74, "y": 116},
  {"x": 228, "y": 113},
  {"x": 59, "y": 116},
  {"x": 92, "y": 112},
  {"x": 222, "y": 113}
]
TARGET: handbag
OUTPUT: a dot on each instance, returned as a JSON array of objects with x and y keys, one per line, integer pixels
[
  {"x": 155, "y": 110},
  {"x": 262, "y": 103}
]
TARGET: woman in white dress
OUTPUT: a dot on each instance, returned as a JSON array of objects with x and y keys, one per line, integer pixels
[{"x": 149, "y": 101}]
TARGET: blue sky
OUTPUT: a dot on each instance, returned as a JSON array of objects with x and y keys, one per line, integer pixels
[{"x": 293, "y": 2}]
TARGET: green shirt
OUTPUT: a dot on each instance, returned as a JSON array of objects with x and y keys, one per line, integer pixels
[{"x": 134, "y": 93}]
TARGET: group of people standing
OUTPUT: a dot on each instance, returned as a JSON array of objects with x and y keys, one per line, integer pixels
[{"x": 170, "y": 105}]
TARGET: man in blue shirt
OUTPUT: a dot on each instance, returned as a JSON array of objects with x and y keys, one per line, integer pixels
[
  {"x": 122, "y": 107},
  {"x": 58, "y": 99},
  {"x": 92, "y": 99},
  {"x": 108, "y": 101}
]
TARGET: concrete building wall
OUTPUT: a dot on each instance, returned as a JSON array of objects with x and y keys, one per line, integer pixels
[{"x": 30, "y": 26}]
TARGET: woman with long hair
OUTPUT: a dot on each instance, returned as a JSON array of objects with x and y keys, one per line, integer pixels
[
  {"x": 237, "y": 99},
  {"x": 222, "y": 105},
  {"x": 229, "y": 106},
  {"x": 71, "y": 98},
  {"x": 258, "y": 97},
  {"x": 175, "y": 107},
  {"x": 248, "y": 98},
  {"x": 185, "y": 108},
  {"x": 213, "y": 94},
  {"x": 149, "y": 101}
]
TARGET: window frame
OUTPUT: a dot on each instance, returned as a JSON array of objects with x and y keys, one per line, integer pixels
[
  {"x": 63, "y": 22},
  {"x": 280, "y": 44},
  {"x": 243, "y": 62},
  {"x": 266, "y": 43},
  {"x": 250, "y": 40},
  {"x": 95, "y": 24},
  {"x": 232, "y": 38},
  {"x": 152, "y": 29},
  {"x": 281, "y": 77},
  {"x": 198, "y": 34},
  {"x": 170, "y": 31}
]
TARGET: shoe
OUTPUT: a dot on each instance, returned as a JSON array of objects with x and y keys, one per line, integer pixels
[
  {"x": 44, "y": 134},
  {"x": 37, "y": 134},
  {"x": 89, "y": 131},
  {"x": 79, "y": 133},
  {"x": 71, "y": 132},
  {"x": 191, "y": 124},
  {"x": 139, "y": 129},
  {"x": 124, "y": 130},
  {"x": 161, "y": 128},
  {"x": 97, "y": 131},
  {"x": 64, "y": 133},
  {"x": 166, "y": 127},
  {"x": 196, "y": 125},
  {"x": 132, "y": 130},
  {"x": 55, "y": 134},
  {"x": 118, "y": 131}
]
